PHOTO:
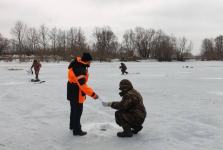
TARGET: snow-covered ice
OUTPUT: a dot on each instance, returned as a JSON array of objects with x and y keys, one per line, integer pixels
[{"x": 184, "y": 106}]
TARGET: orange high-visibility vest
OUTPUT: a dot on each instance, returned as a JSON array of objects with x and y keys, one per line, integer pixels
[{"x": 82, "y": 88}]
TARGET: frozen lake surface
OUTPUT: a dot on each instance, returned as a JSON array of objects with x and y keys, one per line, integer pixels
[{"x": 184, "y": 107}]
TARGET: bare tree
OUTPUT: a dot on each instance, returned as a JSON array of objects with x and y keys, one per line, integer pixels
[
  {"x": 212, "y": 49},
  {"x": 81, "y": 40},
  {"x": 31, "y": 40},
  {"x": 147, "y": 42},
  {"x": 115, "y": 46},
  {"x": 128, "y": 43},
  {"x": 139, "y": 35},
  {"x": 62, "y": 43},
  {"x": 76, "y": 41},
  {"x": 163, "y": 46},
  {"x": 182, "y": 48},
  {"x": 158, "y": 39},
  {"x": 103, "y": 37},
  {"x": 43, "y": 37},
  {"x": 71, "y": 40},
  {"x": 168, "y": 48},
  {"x": 141, "y": 41},
  {"x": 4, "y": 43},
  {"x": 122, "y": 52},
  {"x": 207, "y": 49},
  {"x": 219, "y": 46},
  {"x": 19, "y": 32},
  {"x": 54, "y": 41}
]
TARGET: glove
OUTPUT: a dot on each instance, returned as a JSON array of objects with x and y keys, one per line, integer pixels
[
  {"x": 102, "y": 99},
  {"x": 96, "y": 97},
  {"x": 106, "y": 104}
]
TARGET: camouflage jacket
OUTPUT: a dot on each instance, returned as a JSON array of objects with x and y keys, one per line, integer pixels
[{"x": 131, "y": 102}]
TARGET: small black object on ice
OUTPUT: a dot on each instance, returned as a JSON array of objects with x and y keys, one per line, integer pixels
[
  {"x": 103, "y": 129},
  {"x": 37, "y": 81}
]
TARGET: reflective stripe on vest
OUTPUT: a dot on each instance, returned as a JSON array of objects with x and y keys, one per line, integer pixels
[{"x": 73, "y": 79}]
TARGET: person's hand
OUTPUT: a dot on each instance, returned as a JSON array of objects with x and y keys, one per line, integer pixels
[
  {"x": 96, "y": 97},
  {"x": 106, "y": 104}
]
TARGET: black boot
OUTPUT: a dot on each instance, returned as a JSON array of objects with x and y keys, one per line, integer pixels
[
  {"x": 37, "y": 79},
  {"x": 126, "y": 133},
  {"x": 136, "y": 129},
  {"x": 81, "y": 133}
]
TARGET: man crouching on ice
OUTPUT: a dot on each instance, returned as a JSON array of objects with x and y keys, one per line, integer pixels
[{"x": 131, "y": 111}]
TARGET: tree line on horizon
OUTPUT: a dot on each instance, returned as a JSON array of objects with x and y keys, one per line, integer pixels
[
  {"x": 212, "y": 49},
  {"x": 64, "y": 45}
]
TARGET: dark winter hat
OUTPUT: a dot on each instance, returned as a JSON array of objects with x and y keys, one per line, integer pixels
[{"x": 86, "y": 57}]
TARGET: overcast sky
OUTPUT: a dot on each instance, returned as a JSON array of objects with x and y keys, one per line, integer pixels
[{"x": 194, "y": 19}]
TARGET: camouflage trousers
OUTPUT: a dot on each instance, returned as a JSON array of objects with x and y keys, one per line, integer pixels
[{"x": 124, "y": 117}]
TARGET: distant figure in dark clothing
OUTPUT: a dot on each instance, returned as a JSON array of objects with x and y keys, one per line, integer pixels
[
  {"x": 123, "y": 68},
  {"x": 36, "y": 65}
]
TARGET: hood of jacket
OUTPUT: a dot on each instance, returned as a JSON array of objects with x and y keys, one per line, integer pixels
[
  {"x": 35, "y": 59},
  {"x": 125, "y": 85}
]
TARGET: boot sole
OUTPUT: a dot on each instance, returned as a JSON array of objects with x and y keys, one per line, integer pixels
[{"x": 124, "y": 135}]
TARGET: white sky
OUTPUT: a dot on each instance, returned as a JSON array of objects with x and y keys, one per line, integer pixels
[{"x": 194, "y": 19}]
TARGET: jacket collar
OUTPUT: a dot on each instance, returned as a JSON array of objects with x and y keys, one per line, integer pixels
[
  {"x": 122, "y": 93},
  {"x": 79, "y": 60}
]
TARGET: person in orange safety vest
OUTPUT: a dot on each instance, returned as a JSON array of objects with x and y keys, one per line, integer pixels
[{"x": 77, "y": 89}]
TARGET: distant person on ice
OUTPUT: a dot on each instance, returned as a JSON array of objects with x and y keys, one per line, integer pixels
[
  {"x": 36, "y": 65},
  {"x": 123, "y": 68},
  {"x": 131, "y": 112},
  {"x": 77, "y": 89}
]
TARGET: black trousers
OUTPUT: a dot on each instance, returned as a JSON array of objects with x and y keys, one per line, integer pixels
[
  {"x": 76, "y": 110},
  {"x": 123, "y": 71}
]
